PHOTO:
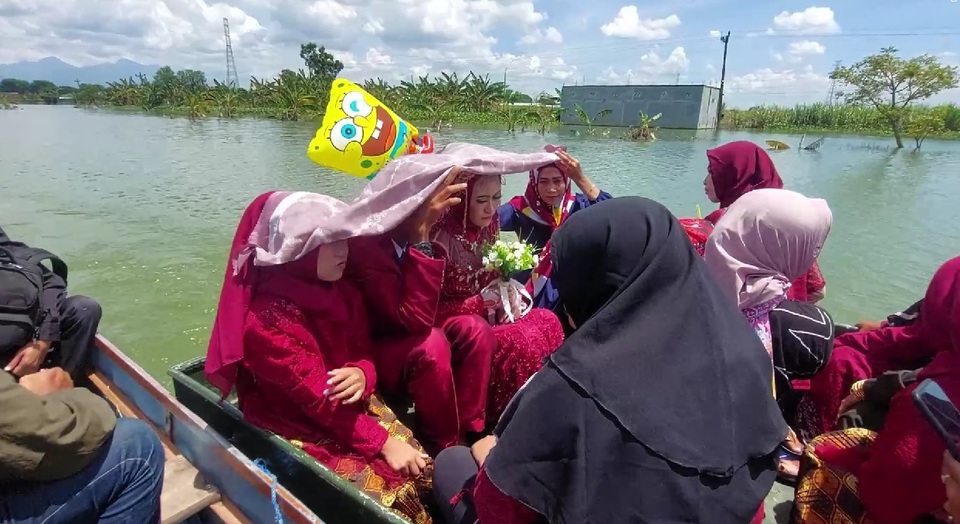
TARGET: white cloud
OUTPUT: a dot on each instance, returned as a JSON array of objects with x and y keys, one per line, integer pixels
[
  {"x": 768, "y": 32},
  {"x": 812, "y": 20},
  {"x": 390, "y": 39},
  {"x": 797, "y": 51},
  {"x": 628, "y": 24},
  {"x": 806, "y": 47},
  {"x": 90, "y": 31},
  {"x": 559, "y": 70},
  {"x": 651, "y": 69},
  {"x": 386, "y": 38},
  {"x": 781, "y": 86},
  {"x": 549, "y": 36}
]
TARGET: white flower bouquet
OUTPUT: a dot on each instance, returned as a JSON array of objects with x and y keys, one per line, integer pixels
[{"x": 508, "y": 259}]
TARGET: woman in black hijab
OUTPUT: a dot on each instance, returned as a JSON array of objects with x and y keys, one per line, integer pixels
[{"x": 657, "y": 409}]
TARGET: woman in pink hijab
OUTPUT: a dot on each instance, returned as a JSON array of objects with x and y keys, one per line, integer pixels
[
  {"x": 765, "y": 241},
  {"x": 735, "y": 169},
  {"x": 293, "y": 338}
]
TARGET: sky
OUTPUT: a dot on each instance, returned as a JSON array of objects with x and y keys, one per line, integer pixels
[{"x": 780, "y": 52}]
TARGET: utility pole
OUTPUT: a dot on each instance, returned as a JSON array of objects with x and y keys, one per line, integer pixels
[{"x": 723, "y": 76}]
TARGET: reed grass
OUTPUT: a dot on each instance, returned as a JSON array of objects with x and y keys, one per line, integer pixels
[{"x": 828, "y": 117}]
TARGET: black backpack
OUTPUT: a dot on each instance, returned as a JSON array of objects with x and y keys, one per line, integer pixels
[{"x": 21, "y": 294}]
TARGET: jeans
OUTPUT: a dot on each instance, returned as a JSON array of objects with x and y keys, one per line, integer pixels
[{"x": 121, "y": 485}]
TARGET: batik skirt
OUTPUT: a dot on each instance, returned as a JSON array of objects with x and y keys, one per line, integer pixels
[
  {"x": 826, "y": 494},
  {"x": 376, "y": 479}
]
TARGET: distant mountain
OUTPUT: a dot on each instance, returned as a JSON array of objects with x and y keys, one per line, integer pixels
[{"x": 64, "y": 74}]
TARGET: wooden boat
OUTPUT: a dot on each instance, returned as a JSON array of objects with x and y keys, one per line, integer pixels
[
  {"x": 205, "y": 477},
  {"x": 321, "y": 490}
]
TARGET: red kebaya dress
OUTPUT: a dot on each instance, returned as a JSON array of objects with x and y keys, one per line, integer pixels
[{"x": 280, "y": 387}]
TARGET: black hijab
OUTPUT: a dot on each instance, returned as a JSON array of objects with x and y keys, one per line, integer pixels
[{"x": 661, "y": 352}]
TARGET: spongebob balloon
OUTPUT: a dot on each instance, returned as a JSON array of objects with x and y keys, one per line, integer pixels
[{"x": 359, "y": 135}]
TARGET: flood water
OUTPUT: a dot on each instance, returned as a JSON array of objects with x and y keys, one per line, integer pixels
[{"x": 143, "y": 208}]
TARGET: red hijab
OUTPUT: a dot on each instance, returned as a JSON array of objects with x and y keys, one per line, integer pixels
[
  {"x": 295, "y": 280},
  {"x": 456, "y": 222},
  {"x": 225, "y": 350},
  {"x": 739, "y": 167}
]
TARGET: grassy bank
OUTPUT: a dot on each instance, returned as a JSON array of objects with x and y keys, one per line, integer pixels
[
  {"x": 838, "y": 118},
  {"x": 811, "y": 118}
]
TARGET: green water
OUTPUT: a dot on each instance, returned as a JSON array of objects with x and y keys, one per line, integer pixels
[{"x": 143, "y": 208}]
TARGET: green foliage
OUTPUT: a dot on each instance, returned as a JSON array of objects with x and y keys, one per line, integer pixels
[
  {"x": 891, "y": 84},
  {"x": 643, "y": 131},
  {"x": 922, "y": 124},
  {"x": 476, "y": 100},
  {"x": 830, "y": 117},
  {"x": 319, "y": 62}
]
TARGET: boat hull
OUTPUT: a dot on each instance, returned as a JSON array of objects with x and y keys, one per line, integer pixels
[
  {"x": 324, "y": 492},
  {"x": 240, "y": 483}
]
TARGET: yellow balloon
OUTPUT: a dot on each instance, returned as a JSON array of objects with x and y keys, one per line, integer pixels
[{"x": 359, "y": 134}]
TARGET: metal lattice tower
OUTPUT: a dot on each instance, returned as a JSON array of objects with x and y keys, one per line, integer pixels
[
  {"x": 233, "y": 80},
  {"x": 832, "y": 96}
]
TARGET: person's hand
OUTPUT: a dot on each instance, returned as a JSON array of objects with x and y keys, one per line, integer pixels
[
  {"x": 346, "y": 385},
  {"x": 442, "y": 199},
  {"x": 848, "y": 402},
  {"x": 856, "y": 396},
  {"x": 47, "y": 381},
  {"x": 869, "y": 325},
  {"x": 481, "y": 448},
  {"x": 950, "y": 473},
  {"x": 28, "y": 358},
  {"x": 403, "y": 457},
  {"x": 569, "y": 165}
]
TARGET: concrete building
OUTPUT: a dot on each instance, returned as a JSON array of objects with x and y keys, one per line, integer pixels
[{"x": 681, "y": 106}]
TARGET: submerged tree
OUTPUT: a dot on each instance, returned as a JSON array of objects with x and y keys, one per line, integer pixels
[
  {"x": 891, "y": 84},
  {"x": 922, "y": 124}
]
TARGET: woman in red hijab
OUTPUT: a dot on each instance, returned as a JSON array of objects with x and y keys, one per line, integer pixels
[
  {"x": 293, "y": 338},
  {"x": 465, "y": 231},
  {"x": 733, "y": 170},
  {"x": 545, "y": 204},
  {"x": 891, "y": 477}
]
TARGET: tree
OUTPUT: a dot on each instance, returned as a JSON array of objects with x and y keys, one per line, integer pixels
[
  {"x": 42, "y": 87},
  {"x": 14, "y": 85},
  {"x": 165, "y": 79},
  {"x": 922, "y": 124},
  {"x": 319, "y": 62},
  {"x": 890, "y": 84},
  {"x": 192, "y": 80}
]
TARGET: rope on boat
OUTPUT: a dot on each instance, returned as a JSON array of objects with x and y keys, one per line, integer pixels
[{"x": 277, "y": 515}]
